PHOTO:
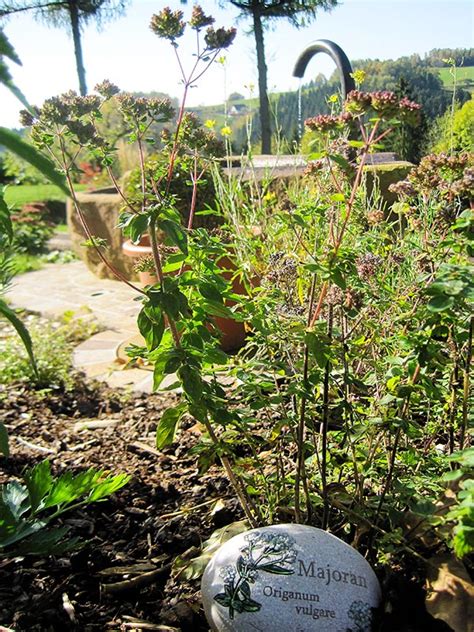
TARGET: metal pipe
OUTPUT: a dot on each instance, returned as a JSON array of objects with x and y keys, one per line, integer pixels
[{"x": 336, "y": 53}]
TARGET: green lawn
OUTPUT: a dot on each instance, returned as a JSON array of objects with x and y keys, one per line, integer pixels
[
  {"x": 464, "y": 77},
  {"x": 18, "y": 194}
]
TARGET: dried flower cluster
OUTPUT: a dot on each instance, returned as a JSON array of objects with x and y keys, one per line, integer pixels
[
  {"x": 170, "y": 25},
  {"x": 367, "y": 265},
  {"x": 440, "y": 176},
  {"x": 384, "y": 103},
  {"x": 159, "y": 110},
  {"x": 194, "y": 136},
  {"x": 328, "y": 122}
]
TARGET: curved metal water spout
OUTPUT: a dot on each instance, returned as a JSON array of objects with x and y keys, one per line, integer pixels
[{"x": 336, "y": 53}]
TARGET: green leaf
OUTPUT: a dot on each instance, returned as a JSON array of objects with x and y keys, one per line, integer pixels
[
  {"x": 6, "y": 49},
  {"x": 341, "y": 162},
  {"x": 440, "y": 303},
  {"x": 15, "y": 497},
  {"x": 223, "y": 600},
  {"x": 276, "y": 570},
  {"x": 46, "y": 542},
  {"x": 191, "y": 381},
  {"x": 6, "y": 226},
  {"x": 318, "y": 347},
  {"x": 168, "y": 424},
  {"x": 358, "y": 144},
  {"x": 21, "y": 330},
  {"x": 4, "y": 446},
  {"x": 218, "y": 309},
  {"x": 175, "y": 233},
  {"x": 17, "y": 145},
  {"x": 107, "y": 486},
  {"x": 151, "y": 329},
  {"x": 39, "y": 482},
  {"x": 209, "y": 291},
  {"x": 249, "y": 605},
  {"x": 136, "y": 226}
]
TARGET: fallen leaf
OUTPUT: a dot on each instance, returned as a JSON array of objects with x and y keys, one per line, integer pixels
[{"x": 450, "y": 593}]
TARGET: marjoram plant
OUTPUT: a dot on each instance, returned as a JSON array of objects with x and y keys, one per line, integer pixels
[{"x": 361, "y": 322}]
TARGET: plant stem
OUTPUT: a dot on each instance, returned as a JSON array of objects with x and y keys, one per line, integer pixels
[
  {"x": 236, "y": 484},
  {"x": 91, "y": 237},
  {"x": 324, "y": 429},
  {"x": 394, "y": 449},
  {"x": 466, "y": 387}
]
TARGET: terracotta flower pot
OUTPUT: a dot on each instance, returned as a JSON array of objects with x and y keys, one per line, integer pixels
[
  {"x": 233, "y": 332},
  {"x": 136, "y": 252}
]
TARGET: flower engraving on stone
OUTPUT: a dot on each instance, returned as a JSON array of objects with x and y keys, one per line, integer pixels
[
  {"x": 268, "y": 552},
  {"x": 362, "y": 614}
]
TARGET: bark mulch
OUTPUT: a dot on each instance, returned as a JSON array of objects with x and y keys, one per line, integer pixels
[{"x": 121, "y": 579}]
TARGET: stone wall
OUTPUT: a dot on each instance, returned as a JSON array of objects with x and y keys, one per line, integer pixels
[{"x": 101, "y": 210}]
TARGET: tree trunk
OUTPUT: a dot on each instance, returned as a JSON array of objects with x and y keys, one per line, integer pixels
[
  {"x": 262, "y": 83},
  {"x": 76, "y": 36}
]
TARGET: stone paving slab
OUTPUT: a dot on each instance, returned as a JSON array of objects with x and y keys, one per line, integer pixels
[{"x": 58, "y": 288}]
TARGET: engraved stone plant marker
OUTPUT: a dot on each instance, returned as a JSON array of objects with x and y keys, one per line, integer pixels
[{"x": 289, "y": 578}]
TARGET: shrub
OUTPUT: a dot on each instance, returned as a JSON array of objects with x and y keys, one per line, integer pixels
[
  {"x": 454, "y": 132},
  {"x": 31, "y": 229},
  {"x": 53, "y": 353},
  {"x": 21, "y": 172},
  {"x": 156, "y": 168}
]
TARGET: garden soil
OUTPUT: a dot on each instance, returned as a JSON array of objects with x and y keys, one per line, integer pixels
[{"x": 122, "y": 577}]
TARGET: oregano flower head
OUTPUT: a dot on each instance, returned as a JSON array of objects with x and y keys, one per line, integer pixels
[
  {"x": 168, "y": 24},
  {"x": 219, "y": 38},
  {"x": 328, "y": 122},
  {"x": 199, "y": 19},
  {"x": 385, "y": 103},
  {"x": 106, "y": 89},
  {"x": 357, "y": 102},
  {"x": 26, "y": 118},
  {"x": 409, "y": 111}
]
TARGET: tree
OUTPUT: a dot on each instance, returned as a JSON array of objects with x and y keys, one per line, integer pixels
[
  {"x": 261, "y": 12},
  {"x": 69, "y": 13}
]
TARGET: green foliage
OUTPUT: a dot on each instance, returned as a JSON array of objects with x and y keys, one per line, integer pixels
[
  {"x": 181, "y": 189},
  {"x": 24, "y": 151},
  {"x": 352, "y": 385},
  {"x": 53, "y": 354},
  {"x": 27, "y": 510},
  {"x": 21, "y": 172},
  {"x": 7, "y": 50},
  {"x": 31, "y": 230},
  {"x": 462, "y": 514},
  {"x": 454, "y": 132},
  {"x": 407, "y": 76}
]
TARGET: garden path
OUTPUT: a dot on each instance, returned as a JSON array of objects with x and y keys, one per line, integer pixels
[{"x": 58, "y": 288}]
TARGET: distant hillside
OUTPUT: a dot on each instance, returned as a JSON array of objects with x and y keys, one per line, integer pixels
[
  {"x": 426, "y": 80},
  {"x": 464, "y": 77}
]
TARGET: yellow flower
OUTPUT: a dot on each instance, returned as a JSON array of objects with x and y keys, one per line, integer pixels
[
  {"x": 358, "y": 76},
  {"x": 226, "y": 131},
  {"x": 210, "y": 124}
]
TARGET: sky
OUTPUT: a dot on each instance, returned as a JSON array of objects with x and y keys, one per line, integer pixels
[{"x": 127, "y": 53}]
